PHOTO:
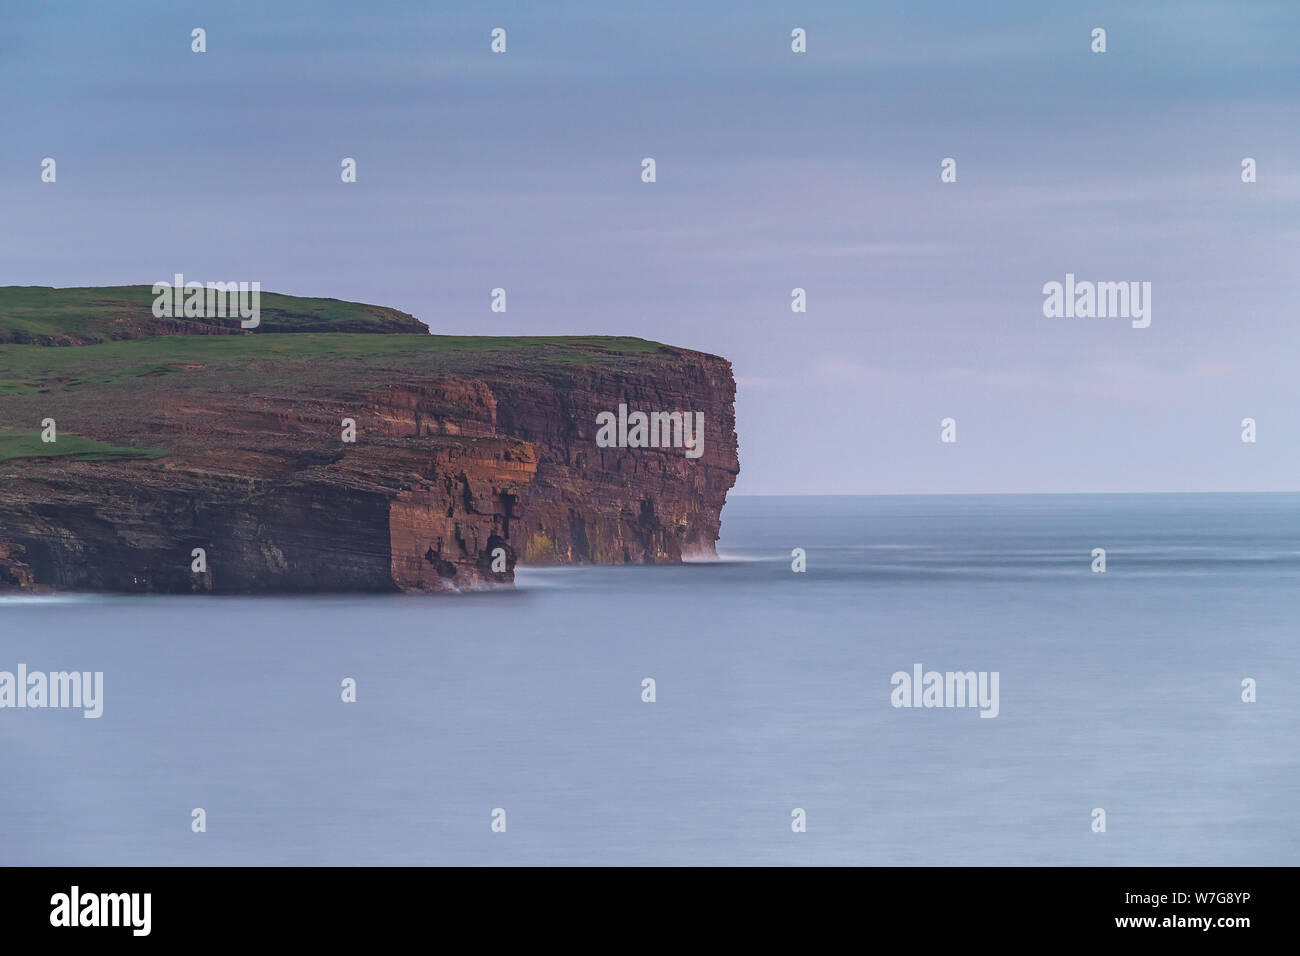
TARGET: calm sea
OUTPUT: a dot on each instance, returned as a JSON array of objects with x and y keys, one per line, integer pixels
[{"x": 1118, "y": 690}]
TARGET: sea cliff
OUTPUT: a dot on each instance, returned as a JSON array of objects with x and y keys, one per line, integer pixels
[{"x": 219, "y": 461}]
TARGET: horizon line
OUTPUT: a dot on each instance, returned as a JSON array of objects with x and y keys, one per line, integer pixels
[{"x": 986, "y": 494}]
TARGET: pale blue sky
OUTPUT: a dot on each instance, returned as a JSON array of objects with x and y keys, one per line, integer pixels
[{"x": 775, "y": 170}]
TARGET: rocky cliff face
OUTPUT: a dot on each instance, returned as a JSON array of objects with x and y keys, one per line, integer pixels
[
  {"x": 623, "y": 505},
  {"x": 463, "y": 454}
]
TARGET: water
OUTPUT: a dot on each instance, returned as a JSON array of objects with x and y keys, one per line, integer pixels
[{"x": 1119, "y": 690}]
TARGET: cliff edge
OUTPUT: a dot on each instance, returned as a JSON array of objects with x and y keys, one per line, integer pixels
[{"x": 372, "y": 456}]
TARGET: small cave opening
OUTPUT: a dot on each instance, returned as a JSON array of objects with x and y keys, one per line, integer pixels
[
  {"x": 445, "y": 568},
  {"x": 488, "y": 560}
]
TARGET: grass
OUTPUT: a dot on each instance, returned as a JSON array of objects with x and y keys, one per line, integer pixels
[
  {"x": 14, "y": 445},
  {"x": 27, "y": 369},
  {"x": 37, "y": 314},
  {"x": 118, "y": 324}
]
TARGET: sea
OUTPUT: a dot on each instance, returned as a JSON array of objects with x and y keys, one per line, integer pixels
[{"x": 1147, "y": 714}]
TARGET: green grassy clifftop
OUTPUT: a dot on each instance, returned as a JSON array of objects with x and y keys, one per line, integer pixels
[{"x": 41, "y": 315}]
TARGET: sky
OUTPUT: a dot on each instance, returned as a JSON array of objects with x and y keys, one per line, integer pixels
[{"x": 775, "y": 170}]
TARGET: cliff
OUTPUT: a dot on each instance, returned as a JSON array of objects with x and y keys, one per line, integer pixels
[{"x": 465, "y": 448}]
